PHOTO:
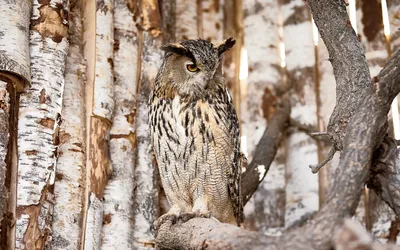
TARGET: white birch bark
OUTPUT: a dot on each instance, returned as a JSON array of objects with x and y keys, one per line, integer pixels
[
  {"x": 95, "y": 217},
  {"x": 99, "y": 100},
  {"x": 266, "y": 208},
  {"x": 186, "y": 20},
  {"x": 394, "y": 20},
  {"x": 146, "y": 194},
  {"x": 4, "y": 135},
  {"x": 370, "y": 29},
  {"x": 14, "y": 38},
  {"x": 69, "y": 188},
  {"x": 39, "y": 118},
  {"x": 118, "y": 224},
  {"x": 301, "y": 185},
  {"x": 146, "y": 174},
  {"x": 212, "y": 20}
]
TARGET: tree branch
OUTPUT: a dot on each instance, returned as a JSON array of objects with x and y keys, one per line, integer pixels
[{"x": 265, "y": 152}]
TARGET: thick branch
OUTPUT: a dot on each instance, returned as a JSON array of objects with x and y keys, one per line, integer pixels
[
  {"x": 348, "y": 61},
  {"x": 265, "y": 152},
  {"x": 385, "y": 174}
]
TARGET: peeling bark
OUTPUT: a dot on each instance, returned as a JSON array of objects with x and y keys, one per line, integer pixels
[
  {"x": 99, "y": 101},
  {"x": 4, "y": 138},
  {"x": 261, "y": 97},
  {"x": 301, "y": 184},
  {"x": 69, "y": 188},
  {"x": 118, "y": 224},
  {"x": 146, "y": 174},
  {"x": 39, "y": 120}
]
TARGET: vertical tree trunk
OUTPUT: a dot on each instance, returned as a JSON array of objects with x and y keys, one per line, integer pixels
[
  {"x": 69, "y": 188},
  {"x": 266, "y": 209},
  {"x": 39, "y": 120},
  {"x": 99, "y": 98},
  {"x": 14, "y": 75},
  {"x": 394, "y": 19},
  {"x": 212, "y": 20},
  {"x": 187, "y": 20},
  {"x": 302, "y": 185},
  {"x": 232, "y": 26},
  {"x": 146, "y": 174},
  {"x": 4, "y": 135},
  {"x": 118, "y": 202}
]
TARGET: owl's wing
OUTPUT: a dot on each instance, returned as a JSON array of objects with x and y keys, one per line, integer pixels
[{"x": 235, "y": 173}]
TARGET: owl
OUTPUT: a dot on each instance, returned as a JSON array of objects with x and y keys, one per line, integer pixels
[{"x": 195, "y": 133}]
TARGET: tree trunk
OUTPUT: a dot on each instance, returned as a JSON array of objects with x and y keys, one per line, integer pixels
[
  {"x": 266, "y": 209},
  {"x": 118, "y": 226},
  {"x": 99, "y": 102},
  {"x": 39, "y": 119},
  {"x": 187, "y": 20},
  {"x": 14, "y": 75},
  {"x": 302, "y": 202},
  {"x": 146, "y": 173},
  {"x": 212, "y": 20},
  {"x": 69, "y": 188}
]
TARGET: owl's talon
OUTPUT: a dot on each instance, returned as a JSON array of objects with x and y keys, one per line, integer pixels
[
  {"x": 163, "y": 218},
  {"x": 190, "y": 215}
]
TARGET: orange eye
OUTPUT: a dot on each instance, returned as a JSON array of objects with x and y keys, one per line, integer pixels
[{"x": 192, "y": 67}]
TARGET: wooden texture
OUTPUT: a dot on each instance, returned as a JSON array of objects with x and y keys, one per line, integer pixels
[
  {"x": 39, "y": 119},
  {"x": 146, "y": 175},
  {"x": 259, "y": 97},
  {"x": 118, "y": 224},
  {"x": 69, "y": 187},
  {"x": 301, "y": 183},
  {"x": 186, "y": 20},
  {"x": 14, "y": 41},
  {"x": 4, "y": 135}
]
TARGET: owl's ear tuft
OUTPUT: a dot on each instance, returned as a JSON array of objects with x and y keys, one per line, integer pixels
[
  {"x": 225, "y": 45},
  {"x": 175, "y": 48}
]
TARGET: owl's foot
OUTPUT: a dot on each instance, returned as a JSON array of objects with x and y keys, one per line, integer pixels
[
  {"x": 184, "y": 217},
  {"x": 163, "y": 218}
]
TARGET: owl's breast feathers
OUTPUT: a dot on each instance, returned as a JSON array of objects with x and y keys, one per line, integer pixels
[{"x": 197, "y": 146}]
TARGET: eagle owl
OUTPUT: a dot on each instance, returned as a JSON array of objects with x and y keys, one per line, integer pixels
[{"x": 195, "y": 132}]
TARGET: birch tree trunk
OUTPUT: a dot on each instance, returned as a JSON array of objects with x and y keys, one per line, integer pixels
[
  {"x": 99, "y": 102},
  {"x": 302, "y": 185},
  {"x": 39, "y": 120},
  {"x": 69, "y": 188},
  {"x": 14, "y": 75},
  {"x": 212, "y": 20},
  {"x": 187, "y": 20},
  {"x": 118, "y": 222},
  {"x": 394, "y": 20},
  {"x": 146, "y": 174},
  {"x": 233, "y": 27},
  {"x": 266, "y": 209}
]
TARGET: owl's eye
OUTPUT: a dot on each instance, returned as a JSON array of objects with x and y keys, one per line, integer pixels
[{"x": 192, "y": 67}]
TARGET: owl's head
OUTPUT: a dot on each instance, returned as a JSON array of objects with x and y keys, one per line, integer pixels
[{"x": 191, "y": 66}]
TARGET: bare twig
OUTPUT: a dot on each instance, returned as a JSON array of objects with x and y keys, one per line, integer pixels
[
  {"x": 328, "y": 158},
  {"x": 312, "y": 131},
  {"x": 316, "y": 134}
]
